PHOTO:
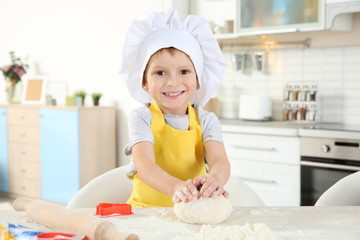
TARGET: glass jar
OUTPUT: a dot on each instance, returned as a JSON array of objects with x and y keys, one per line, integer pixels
[
  {"x": 294, "y": 112},
  {"x": 303, "y": 93},
  {"x": 302, "y": 111},
  {"x": 285, "y": 112},
  {"x": 312, "y": 93},
  {"x": 287, "y": 92},
  {"x": 311, "y": 113},
  {"x": 295, "y": 92}
]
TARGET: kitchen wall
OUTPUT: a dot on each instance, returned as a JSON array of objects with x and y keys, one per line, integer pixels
[{"x": 336, "y": 70}]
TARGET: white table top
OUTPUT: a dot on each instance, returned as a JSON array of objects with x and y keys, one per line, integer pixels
[{"x": 330, "y": 223}]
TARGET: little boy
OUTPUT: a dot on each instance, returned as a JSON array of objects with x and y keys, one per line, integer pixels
[{"x": 174, "y": 68}]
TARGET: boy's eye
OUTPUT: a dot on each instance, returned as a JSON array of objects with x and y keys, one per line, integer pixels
[
  {"x": 184, "y": 71},
  {"x": 160, "y": 73}
]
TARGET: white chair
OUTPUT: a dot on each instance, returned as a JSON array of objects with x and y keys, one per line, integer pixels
[
  {"x": 345, "y": 192},
  {"x": 110, "y": 187},
  {"x": 241, "y": 194},
  {"x": 114, "y": 187}
]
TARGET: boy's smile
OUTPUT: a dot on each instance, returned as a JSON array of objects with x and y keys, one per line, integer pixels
[
  {"x": 173, "y": 94},
  {"x": 170, "y": 78}
]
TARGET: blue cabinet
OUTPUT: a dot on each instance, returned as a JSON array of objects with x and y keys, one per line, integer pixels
[
  {"x": 76, "y": 145},
  {"x": 60, "y": 165},
  {"x": 4, "y": 169}
]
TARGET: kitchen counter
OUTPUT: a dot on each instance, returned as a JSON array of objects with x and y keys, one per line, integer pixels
[
  {"x": 305, "y": 223},
  {"x": 292, "y": 128},
  {"x": 281, "y": 128},
  {"x": 353, "y": 134}
]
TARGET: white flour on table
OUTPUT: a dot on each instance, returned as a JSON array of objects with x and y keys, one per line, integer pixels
[
  {"x": 257, "y": 231},
  {"x": 152, "y": 227}
]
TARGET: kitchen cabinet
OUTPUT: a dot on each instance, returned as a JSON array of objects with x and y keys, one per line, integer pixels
[
  {"x": 268, "y": 164},
  {"x": 4, "y": 170},
  {"x": 54, "y": 151},
  {"x": 24, "y": 151},
  {"x": 59, "y": 154},
  {"x": 337, "y": 27},
  {"x": 76, "y": 146},
  {"x": 257, "y": 16}
]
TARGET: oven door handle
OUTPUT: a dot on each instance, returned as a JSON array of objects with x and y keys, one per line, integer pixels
[{"x": 328, "y": 165}]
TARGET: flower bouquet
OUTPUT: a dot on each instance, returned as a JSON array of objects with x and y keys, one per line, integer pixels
[{"x": 13, "y": 73}]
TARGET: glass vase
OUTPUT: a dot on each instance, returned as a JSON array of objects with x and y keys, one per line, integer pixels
[{"x": 13, "y": 91}]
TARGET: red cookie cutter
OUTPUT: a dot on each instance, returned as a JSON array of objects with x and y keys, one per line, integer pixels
[
  {"x": 113, "y": 209},
  {"x": 59, "y": 236}
]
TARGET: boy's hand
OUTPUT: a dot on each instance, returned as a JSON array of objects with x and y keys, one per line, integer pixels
[
  {"x": 207, "y": 184},
  {"x": 185, "y": 192}
]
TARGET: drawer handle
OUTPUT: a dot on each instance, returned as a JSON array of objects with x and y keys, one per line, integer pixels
[
  {"x": 271, "y": 149},
  {"x": 23, "y": 170},
  {"x": 23, "y": 153},
  {"x": 23, "y": 188},
  {"x": 273, "y": 182}
]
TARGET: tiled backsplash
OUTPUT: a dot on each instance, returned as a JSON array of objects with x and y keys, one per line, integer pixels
[{"x": 336, "y": 70}]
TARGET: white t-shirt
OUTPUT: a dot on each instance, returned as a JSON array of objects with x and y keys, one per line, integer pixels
[{"x": 140, "y": 128}]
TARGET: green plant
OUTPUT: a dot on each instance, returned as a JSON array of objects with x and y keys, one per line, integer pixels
[
  {"x": 96, "y": 96},
  {"x": 81, "y": 94}
]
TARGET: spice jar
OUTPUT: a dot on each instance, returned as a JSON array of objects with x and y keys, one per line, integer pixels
[
  {"x": 303, "y": 112},
  {"x": 294, "y": 93},
  {"x": 287, "y": 92},
  {"x": 311, "y": 113},
  {"x": 312, "y": 96},
  {"x": 303, "y": 93},
  {"x": 285, "y": 112},
  {"x": 312, "y": 93},
  {"x": 294, "y": 112}
]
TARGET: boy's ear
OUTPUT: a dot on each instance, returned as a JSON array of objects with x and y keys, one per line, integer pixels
[
  {"x": 197, "y": 84},
  {"x": 145, "y": 84}
]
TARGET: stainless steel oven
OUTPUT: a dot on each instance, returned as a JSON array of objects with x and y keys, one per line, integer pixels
[{"x": 324, "y": 161}]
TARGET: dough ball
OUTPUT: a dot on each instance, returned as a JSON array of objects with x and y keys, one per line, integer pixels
[{"x": 211, "y": 210}]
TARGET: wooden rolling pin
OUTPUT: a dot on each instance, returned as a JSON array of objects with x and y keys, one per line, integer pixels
[{"x": 62, "y": 218}]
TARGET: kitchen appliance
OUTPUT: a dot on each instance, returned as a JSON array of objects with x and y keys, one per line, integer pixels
[
  {"x": 328, "y": 153},
  {"x": 256, "y": 108}
]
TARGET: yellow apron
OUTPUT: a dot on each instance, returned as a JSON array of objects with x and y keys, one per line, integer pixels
[{"x": 180, "y": 153}]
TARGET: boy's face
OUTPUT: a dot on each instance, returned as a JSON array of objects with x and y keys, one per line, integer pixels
[{"x": 170, "y": 78}]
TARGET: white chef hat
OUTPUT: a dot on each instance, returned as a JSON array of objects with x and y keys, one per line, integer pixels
[{"x": 162, "y": 30}]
